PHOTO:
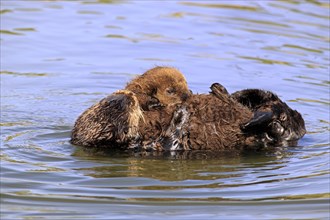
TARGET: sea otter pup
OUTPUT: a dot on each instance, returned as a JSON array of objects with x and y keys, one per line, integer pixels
[
  {"x": 245, "y": 120},
  {"x": 159, "y": 87},
  {"x": 129, "y": 116}
]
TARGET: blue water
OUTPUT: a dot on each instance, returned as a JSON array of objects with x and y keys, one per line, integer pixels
[{"x": 60, "y": 57}]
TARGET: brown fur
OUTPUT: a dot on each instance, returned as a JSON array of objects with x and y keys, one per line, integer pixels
[
  {"x": 130, "y": 116},
  {"x": 112, "y": 121},
  {"x": 158, "y": 90},
  {"x": 249, "y": 119},
  {"x": 160, "y": 85},
  {"x": 156, "y": 111},
  {"x": 214, "y": 124}
]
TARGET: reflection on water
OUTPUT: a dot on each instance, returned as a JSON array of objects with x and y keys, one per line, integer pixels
[
  {"x": 186, "y": 165},
  {"x": 66, "y": 55}
]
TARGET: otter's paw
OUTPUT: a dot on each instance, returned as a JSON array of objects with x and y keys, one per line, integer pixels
[
  {"x": 259, "y": 121},
  {"x": 175, "y": 137}
]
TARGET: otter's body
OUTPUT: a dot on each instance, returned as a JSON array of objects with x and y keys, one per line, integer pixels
[
  {"x": 214, "y": 124},
  {"x": 157, "y": 111},
  {"x": 247, "y": 120}
]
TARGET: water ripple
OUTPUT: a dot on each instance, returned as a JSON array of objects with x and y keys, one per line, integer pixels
[{"x": 60, "y": 57}]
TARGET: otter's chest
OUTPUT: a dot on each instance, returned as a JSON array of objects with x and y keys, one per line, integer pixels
[{"x": 215, "y": 124}]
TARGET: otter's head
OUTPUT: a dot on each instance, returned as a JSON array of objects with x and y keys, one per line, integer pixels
[
  {"x": 273, "y": 119},
  {"x": 286, "y": 125},
  {"x": 159, "y": 87}
]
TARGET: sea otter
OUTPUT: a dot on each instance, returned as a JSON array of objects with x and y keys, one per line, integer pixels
[
  {"x": 129, "y": 116},
  {"x": 248, "y": 119},
  {"x": 157, "y": 111}
]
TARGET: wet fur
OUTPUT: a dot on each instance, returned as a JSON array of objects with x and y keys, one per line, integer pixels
[
  {"x": 157, "y": 112},
  {"x": 112, "y": 121},
  {"x": 214, "y": 123},
  {"x": 248, "y": 119},
  {"x": 134, "y": 115},
  {"x": 159, "y": 87}
]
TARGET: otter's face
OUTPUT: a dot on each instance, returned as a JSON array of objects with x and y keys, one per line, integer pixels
[
  {"x": 287, "y": 124},
  {"x": 279, "y": 125},
  {"x": 159, "y": 87},
  {"x": 172, "y": 91},
  {"x": 167, "y": 94},
  {"x": 273, "y": 120}
]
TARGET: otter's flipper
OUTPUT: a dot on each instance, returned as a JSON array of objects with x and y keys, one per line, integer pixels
[
  {"x": 112, "y": 121},
  {"x": 259, "y": 121}
]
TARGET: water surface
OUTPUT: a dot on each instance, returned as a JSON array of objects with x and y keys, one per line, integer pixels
[{"x": 60, "y": 57}]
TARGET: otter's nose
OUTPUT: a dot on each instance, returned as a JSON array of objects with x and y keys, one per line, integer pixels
[{"x": 277, "y": 129}]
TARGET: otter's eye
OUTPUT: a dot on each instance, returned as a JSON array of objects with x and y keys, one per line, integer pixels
[
  {"x": 170, "y": 91},
  {"x": 283, "y": 117}
]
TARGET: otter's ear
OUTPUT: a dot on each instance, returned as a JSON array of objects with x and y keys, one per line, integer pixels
[{"x": 259, "y": 120}]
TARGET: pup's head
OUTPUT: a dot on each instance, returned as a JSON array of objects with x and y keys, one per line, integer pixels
[{"x": 160, "y": 86}]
